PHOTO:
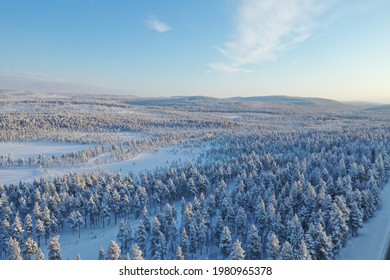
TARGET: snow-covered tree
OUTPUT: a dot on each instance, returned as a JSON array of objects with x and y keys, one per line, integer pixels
[
  {"x": 102, "y": 255},
  {"x": 184, "y": 243},
  {"x": 225, "y": 243},
  {"x": 302, "y": 253},
  {"x": 28, "y": 225},
  {"x": 14, "y": 249},
  {"x": 141, "y": 236},
  {"x": 17, "y": 229},
  {"x": 75, "y": 220},
  {"x": 113, "y": 252},
  {"x": 125, "y": 236},
  {"x": 40, "y": 255},
  {"x": 40, "y": 230},
  {"x": 137, "y": 252},
  {"x": 237, "y": 252},
  {"x": 179, "y": 254},
  {"x": 287, "y": 251},
  {"x": 273, "y": 246},
  {"x": 55, "y": 248},
  {"x": 30, "y": 249},
  {"x": 254, "y": 244}
]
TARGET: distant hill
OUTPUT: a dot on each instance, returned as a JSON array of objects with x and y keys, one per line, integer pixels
[
  {"x": 380, "y": 109},
  {"x": 304, "y": 101},
  {"x": 171, "y": 101}
]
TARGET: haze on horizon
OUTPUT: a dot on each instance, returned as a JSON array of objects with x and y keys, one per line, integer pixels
[{"x": 222, "y": 48}]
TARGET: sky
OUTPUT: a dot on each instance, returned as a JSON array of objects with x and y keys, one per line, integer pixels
[{"x": 337, "y": 49}]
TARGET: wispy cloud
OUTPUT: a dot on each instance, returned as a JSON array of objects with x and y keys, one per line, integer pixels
[
  {"x": 226, "y": 68},
  {"x": 266, "y": 28},
  {"x": 155, "y": 24}
]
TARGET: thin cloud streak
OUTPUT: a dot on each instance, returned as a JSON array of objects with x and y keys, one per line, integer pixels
[
  {"x": 266, "y": 28},
  {"x": 226, "y": 68},
  {"x": 155, "y": 24}
]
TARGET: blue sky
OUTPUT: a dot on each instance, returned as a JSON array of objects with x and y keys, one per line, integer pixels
[{"x": 335, "y": 49}]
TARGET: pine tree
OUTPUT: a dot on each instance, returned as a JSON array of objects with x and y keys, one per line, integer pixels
[
  {"x": 137, "y": 252},
  {"x": 193, "y": 241},
  {"x": 28, "y": 225},
  {"x": 40, "y": 255},
  {"x": 323, "y": 244},
  {"x": 294, "y": 231},
  {"x": 241, "y": 223},
  {"x": 225, "y": 243},
  {"x": 126, "y": 256},
  {"x": 302, "y": 253},
  {"x": 159, "y": 246},
  {"x": 218, "y": 229},
  {"x": 287, "y": 252},
  {"x": 237, "y": 252},
  {"x": 255, "y": 245},
  {"x": 75, "y": 220},
  {"x": 184, "y": 243},
  {"x": 5, "y": 232},
  {"x": 170, "y": 223},
  {"x": 273, "y": 246},
  {"x": 141, "y": 236},
  {"x": 125, "y": 236},
  {"x": 105, "y": 213},
  {"x": 14, "y": 249},
  {"x": 338, "y": 229},
  {"x": 40, "y": 230},
  {"x": 55, "y": 248},
  {"x": 113, "y": 252},
  {"x": 145, "y": 219},
  {"x": 46, "y": 221},
  {"x": 17, "y": 229},
  {"x": 31, "y": 248},
  {"x": 102, "y": 255},
  {"x": 356, "y": 219},
  {"x": 179, "y": 254}
]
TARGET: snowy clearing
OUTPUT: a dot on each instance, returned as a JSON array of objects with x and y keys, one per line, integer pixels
[
  {"x": 145, "y": 161},
  {"x": 373, "y": 239},
  {"x": 31, "y": 149}
]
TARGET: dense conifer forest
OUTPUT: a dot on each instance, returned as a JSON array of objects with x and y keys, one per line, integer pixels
[{"x": 271, "y": 180}]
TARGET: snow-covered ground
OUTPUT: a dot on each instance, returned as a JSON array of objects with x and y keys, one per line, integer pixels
[
  {"x": 89, "y": 242},
  {"x": 145, "y": 161},
  {"x": 373, "y": 239},
  {"x": 33, "y": 149}
]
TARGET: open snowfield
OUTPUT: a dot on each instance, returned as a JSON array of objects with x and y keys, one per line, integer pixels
[
  {"x": 373, "y": 239},
  {"x": 89, "y": 242},
  {"x": 145, "y": 161},
  {"x": 33, "y": 149}
]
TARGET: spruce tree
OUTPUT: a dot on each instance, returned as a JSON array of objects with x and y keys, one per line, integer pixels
[
  {"x": 137, "y": 252},
  {"x": 113, "y": 252},
  {"x": 273, "y": 246},
  {"x": 55, "y": 248},
  {"x": 254, "y": 244},
  {"x": 101, "y": 255},
  {"x": 30, "y": 249},
  {"x": 237, "y": 252},
  {"x": 225, "y": 243},
  {"x": 179, "y": 254},
  {"x": 14, "y": 249},
  {"x": 40, "y": 255}
]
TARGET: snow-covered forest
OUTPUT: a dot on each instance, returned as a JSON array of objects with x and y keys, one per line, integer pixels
[{"x": 238, "y": 179}]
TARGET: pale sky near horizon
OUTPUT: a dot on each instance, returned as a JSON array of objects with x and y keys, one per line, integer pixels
[{"x": 336, "y": 49}]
